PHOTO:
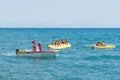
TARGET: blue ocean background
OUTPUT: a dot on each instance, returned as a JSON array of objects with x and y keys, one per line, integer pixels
[{"x": 79, "y": 62}]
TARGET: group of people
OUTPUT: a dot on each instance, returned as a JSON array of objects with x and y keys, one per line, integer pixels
[
  {"x": 59, "y": 42},
  {"x": 100, "y": 44},
  {"x": 35, "y": 46}
]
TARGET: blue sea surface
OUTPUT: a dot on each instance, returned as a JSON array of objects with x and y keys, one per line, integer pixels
[{"x": 79, "y": 62}]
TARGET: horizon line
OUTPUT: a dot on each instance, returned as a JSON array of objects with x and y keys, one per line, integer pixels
[{"x": 60, "y": 27}]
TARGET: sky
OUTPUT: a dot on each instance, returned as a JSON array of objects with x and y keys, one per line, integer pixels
[{"x": 60, "y": 13}]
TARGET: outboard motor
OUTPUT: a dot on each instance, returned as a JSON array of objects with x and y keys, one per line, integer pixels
[{"x": 17, "y": 51}]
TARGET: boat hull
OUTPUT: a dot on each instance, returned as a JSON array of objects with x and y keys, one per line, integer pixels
[{"x": 43, "y": 53}]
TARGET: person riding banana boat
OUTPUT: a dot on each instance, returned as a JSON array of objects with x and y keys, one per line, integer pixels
[{"x": 100, "y": 44}]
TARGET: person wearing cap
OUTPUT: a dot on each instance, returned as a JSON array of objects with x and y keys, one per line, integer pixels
[{"x": 40, "y": 46}]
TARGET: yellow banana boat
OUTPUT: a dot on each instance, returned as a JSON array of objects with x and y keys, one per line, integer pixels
[
  {"x": 61, "y": 46},
  {"x": 107, "y": 46}
]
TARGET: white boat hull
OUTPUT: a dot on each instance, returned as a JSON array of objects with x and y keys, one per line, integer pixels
[
  {"x": 39, "y": 54},
  {"x": 44, "y": 53}
]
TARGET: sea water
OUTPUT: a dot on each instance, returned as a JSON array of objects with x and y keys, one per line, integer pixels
[{"x": 79, "y": 62}]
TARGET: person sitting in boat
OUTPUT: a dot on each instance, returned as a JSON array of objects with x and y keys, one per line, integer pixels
[
  {"x": 53, "y": 43},
  {"x": 40, "y": 46},
  {"x": 102, "y": 43},
  {"x": 98, "y": 44},
  {"x": 34, "y": 45},
  {"x": 59, "y": 42},
  {"x": 62, "y": 41},
  {"x": 66, "y": 41},
  {"x": 56, "y": 42}
]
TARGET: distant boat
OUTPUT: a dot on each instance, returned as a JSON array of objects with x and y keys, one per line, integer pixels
[
  {"x": 43, "y": 53},
  {"x": 107, "y": 46}
]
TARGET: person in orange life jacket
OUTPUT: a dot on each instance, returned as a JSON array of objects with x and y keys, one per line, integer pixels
[
  {"x": 34, "y": 45},
  {"x": 102, "y": 43},
  {"x": 98, "y": 44},
  {"x": 40, "y": 46}
]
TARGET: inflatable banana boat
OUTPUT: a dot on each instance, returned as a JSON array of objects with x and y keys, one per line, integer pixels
[
  {"x": 37, "y": 53},
  {"x": 61, "y": 46},
  {"x": 107, "y": 46}
]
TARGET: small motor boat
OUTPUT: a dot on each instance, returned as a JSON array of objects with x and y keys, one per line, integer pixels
[{"x": 37, "y": 53}]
